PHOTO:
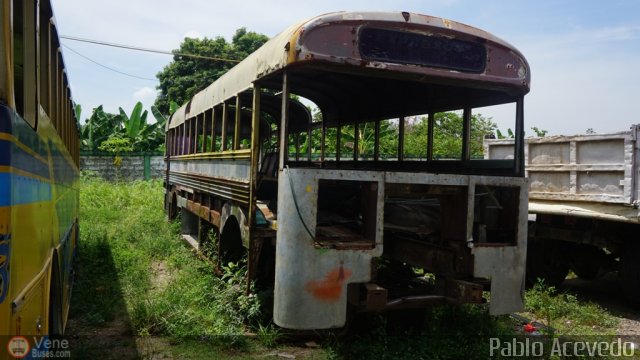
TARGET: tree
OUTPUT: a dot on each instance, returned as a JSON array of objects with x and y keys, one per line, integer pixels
[
  {"x": 185, "y": 76},
  {"x": 98, "y": 128},
  {"x": 447, "y": 135}
]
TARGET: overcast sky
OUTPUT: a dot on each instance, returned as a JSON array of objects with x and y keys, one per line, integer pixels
[{"x": 584, "y": 54}]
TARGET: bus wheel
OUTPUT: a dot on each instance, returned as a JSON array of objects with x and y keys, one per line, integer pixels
[
  {"x": 172, "y": 206},
  {"x": 545, "y": 261},
  {"x": 55, "y": 302},
  {"x": 231, "y": 249},
  {"x": 630, "y": 272}
]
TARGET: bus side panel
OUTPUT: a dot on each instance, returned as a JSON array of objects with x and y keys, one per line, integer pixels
[
  {"x": 65, "y": 176},
  {"x": 31, "y": 231},
  {"x": 310, "y": 282},
  {"x": 40, "y": 215},
  {"x": 505, "y": 265},
  {"x": 26, "y": 200},
  {"x": 5, "y": 219}
]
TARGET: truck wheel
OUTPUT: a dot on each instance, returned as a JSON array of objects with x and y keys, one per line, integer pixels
[
  {"x": 546, "y": 261},
  {"x": 586, "y": 261},
  {"x": 630, "y": 272}
]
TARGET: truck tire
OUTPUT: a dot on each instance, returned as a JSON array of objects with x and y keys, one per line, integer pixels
[
  {"x": 586, "y": 261},
  {"x": 546, "y": 260},
  {"x": 630, "y": 272}
]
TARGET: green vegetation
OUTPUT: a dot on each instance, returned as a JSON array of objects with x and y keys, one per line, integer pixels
[
  {"x": 101, "y": 126},
  {"x": 564, "y": 314},
  {"x": 185, "y": 76},
  {"x": 141, "y": 292},
  {"x": 144, "y": 276},
  {"x": 179, "y": 81},
  {"x": 447, "y": 137}
]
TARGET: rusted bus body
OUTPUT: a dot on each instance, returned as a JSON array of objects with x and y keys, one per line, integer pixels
[{"x": 335, "y": 221}]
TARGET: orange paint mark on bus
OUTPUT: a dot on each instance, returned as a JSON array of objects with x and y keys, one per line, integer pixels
[{"x": 329, "y": 288}]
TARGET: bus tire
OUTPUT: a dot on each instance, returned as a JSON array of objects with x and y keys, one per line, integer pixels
[
  {"x": 231, "y": 249},
  {"x": 172, "y": 206},
  {"x": 55, "y": 301}
]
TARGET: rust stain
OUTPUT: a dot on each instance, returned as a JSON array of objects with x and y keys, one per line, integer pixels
[{"x": 329, "y": 288}]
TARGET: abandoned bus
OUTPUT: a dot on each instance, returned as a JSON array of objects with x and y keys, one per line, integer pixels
[
  {"x": 297, "y": 159},
  {"x": 38, "y": 173}
]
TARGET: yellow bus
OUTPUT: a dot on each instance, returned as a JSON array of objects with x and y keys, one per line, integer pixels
[
  {"x": 38, "y": 174},
  {"x": 296, "y": 160}
]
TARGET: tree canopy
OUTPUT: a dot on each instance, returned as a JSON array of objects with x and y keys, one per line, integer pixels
[
  {"x": 185, "y": 76},
  {"x": 447, "y": 137}
]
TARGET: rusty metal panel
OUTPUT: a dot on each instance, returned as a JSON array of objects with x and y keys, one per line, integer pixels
[
  {"x": 375, "y": 297},
  {"x": 193, "y": 207},
  {"x": 307, "y": 42},
  {"x": 205, "y": 213},
  {"x": 311, "y": 282},
  {"x": 418, "y": 253},
  {"x": 229, "y": 209},
  {"x": 215, "y": 218},
  {"x": 464, "y": 291},
  {"x": 225, "y": 188},
  {"x": 504, "y": 266}
]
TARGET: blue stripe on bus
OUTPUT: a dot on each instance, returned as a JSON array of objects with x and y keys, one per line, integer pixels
[
  {"x": 12, "y": 155},
  {"x": 18, "y": 190}
]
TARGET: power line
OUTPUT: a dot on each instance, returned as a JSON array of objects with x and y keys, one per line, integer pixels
[
  {"x": 106, "y": 67},
  {"x": 137, "y": 48}
]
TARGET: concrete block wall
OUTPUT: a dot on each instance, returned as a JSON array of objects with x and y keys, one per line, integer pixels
[{"x": 132, "y": 167}]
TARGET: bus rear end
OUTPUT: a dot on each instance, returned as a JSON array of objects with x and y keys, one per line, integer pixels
[{"x": 361, "y": 222}]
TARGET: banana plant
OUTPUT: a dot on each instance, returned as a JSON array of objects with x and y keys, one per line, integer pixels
[
  {"x": 98, "y": 127},
  {"x": 136, "y": 123},
  {"x": 162, "y": 119}
]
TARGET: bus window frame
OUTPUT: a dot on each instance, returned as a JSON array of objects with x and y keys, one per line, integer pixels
[
  {"x": 207, "y": 145},
  {"x": 463, "y": 164}
]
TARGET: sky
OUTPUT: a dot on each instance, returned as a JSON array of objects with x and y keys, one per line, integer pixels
[{"x": 584, "y": 54}]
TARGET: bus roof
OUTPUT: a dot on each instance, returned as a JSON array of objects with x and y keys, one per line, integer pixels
[{"x": 504, "y": 67}]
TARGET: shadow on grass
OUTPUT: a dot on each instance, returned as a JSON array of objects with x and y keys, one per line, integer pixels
[
  {"x": 99, "y": 326},
  {"x": 448, "y": 332},
  {"x": 607, "y": 292}
]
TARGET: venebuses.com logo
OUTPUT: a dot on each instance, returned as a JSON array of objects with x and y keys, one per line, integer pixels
[
  {"x": 36, "y": 347},
  {"x": 18, "y": 347}
]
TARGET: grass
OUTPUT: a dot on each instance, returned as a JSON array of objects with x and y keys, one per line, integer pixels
[
  {"x": 564, "y": 314},
  {"x": 141, "y": 293},
  {"x": 124, "y": 241}
]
